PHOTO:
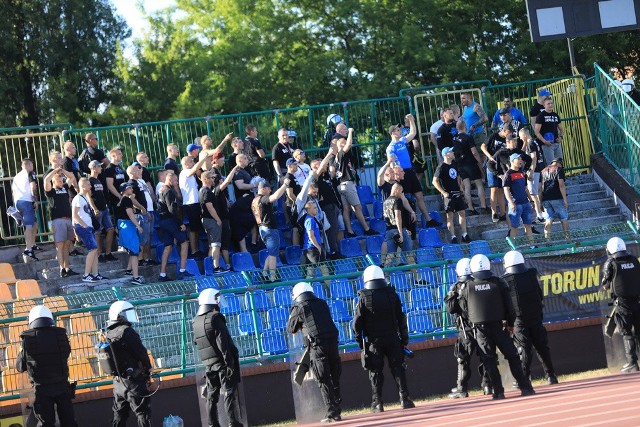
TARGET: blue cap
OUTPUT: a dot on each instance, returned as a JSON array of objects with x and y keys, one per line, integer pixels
[
  {"x": 192, "y": 147},
  {"x": 291, "y": 161},
  {"x": 514, "y": 156},
  {"x": 446, "y": 150},
  {"x": 292, "y": 134},
  {"x": 136, "y": 164},
  {"x": 544, "y": 92}
]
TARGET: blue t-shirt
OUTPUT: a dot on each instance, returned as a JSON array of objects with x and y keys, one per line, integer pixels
[
  {"x": 471, "y": 117},
  {"x": 517, "y": 183},
  {"x": 399, "y": 149},
  {"x": 515, "y": 115},
  {"x": 311, "y": 224}
]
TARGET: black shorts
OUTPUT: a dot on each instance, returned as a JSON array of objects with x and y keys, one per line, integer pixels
[
  {"x": 455, "y": 204},
  {"x": 411, "y": 183},
  {"x": 194, "y": 214},
  {"x": 469, "y": 171}
]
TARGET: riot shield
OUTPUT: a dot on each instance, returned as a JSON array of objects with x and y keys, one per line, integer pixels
[
  {"x": 307, "y": 398},
  {"x": 613, "y": 345},
  {"x": 27, "y": 397}
]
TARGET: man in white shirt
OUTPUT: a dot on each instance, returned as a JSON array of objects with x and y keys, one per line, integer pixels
[
  {"x": 190, "y": 200},
  {"x": 24, "y": 189},
  {"x": 304, "y": 170},
  {"x": 433, "y": 133}
]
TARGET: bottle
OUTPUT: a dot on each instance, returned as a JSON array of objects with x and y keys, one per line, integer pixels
[{"x": 408, "y": 352}]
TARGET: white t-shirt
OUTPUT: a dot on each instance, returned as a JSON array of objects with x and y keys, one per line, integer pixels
[
  {"x": 82, "y": 203},
  {"x": 147, "y": 194},
  {"x": 304, "y": 170},
  {"x": 158, "y": 187},
  {"x": 434, "y": 127},
  {"x": 189, "y": 188},
  {"x": 21, "y": 187}
]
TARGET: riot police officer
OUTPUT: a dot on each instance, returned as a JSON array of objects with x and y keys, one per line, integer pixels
[
  {"x": 219, "y": 356},
  {"x": 526, "y": 296},
  {"x": 380, "y": 324},
  {"x": 489, "y": 305},
  {"x": 311, "y": 315},
  {"x": 620, "y": 274},
  {"x": 44, "y": 354},
  {"x": 133, "y": 368},
  {"x": 466, "y": 344}
]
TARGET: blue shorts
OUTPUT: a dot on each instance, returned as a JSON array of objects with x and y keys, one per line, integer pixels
[
  {"x": 555, "y": 209},
  {"x": 524, "y": 212},
  {"x": 128, "y": 237},
  {"x": 271, "y": 239},
  {"x": 27, "y": 211},
  {"x": 169, "y": 230},
  {"x": 392, "y": 246},
  {"x": 105, "y": 220},
  {"x": 87, "y": 235},
  {"x": 493, "y": 180}
]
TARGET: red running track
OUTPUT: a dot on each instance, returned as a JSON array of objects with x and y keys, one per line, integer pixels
[{"x": 606, "y": 401}]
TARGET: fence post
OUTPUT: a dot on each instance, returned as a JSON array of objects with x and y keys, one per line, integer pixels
[
  {"x": 256, "y": 322},
  {"x": 183, "y": 334},
  {"x": 167, "y": 128},
  {"x": 135, "y": 127}
]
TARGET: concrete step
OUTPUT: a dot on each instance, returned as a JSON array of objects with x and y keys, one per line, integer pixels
[{"x": 484, "y": 220}]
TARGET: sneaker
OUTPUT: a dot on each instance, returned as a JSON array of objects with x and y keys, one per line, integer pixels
[
  {"x": 110, "y": 257},
  {"x": 75, "y": 252},
  {"x": 70, "y": 272},
  {"x": 473, "y": 212},
  {"x": 495, "y": 218},
  {"x": 552, "y": 379},
  {"x": 534, "y": 231},
  {"x": 100, "y": 277},
  {"x": 29, "y": 253},
  {"x": 466, "y": 238},
  {"x": 351, "y": 235},
  {"x": 433, "y": 223},
  {"x": 407, "y": 403},
  {"x": 89, "y": 278},
  {"x": 331, "y": 419},
  {"x": 371, "y": 232},
  {"x": 163, "y": 279},
  {"x": 137, "y": 281},
  {"x": 185, "y": 274},
  {"x": 541, "y": 220},
  {"x": 63, "y": 273},
  {"x": 128, "y": 272},
  {"x": 454, "y": 240},
  {"x": 102, "y": 258},
  {"x": 36, "y": 248},
  {"x": 217, "y": 270}
]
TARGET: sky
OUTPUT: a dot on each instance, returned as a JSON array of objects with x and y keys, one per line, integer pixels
[{"x": 130, "y": 11}]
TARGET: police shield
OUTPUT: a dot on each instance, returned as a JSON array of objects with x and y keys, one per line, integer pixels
[
  {"x": 307, "y": 398},
  {"x": 27, "y": 397},
  {"x": 613, "y": 344}
]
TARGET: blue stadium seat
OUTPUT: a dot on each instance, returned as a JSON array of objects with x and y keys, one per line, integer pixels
[
  {"x": 174, "y": 256},
  {"x": 428, "y": 237},
  {"x": 377, "y": 209},
  {"x": 374, "y": 243},
  {"x": 262, "y": 257},
  {"x": 452, "y": 252},
  {"x": 242, "y": 261},
  {"x": 339, "y": 311},
  {"x": 449, "y": 275},
  {"x": 365, "y": 210},
  {"x": 285, "y": 240},
  {"x": 319, "y": 291},
  {"x": 231, "y": 305},
  {"x": 378, "y": 224},
  {"x": 282, "y": 296},
  {"x": 277, "y": 318},
  {"x": 403, "y": 301},
  {"x": 191, "y": 267},
  {"x": 350, "y": 247},
  {"x": 419, "y": 322},
  {"x": 260, "y": 300},
  {"x": 231, "y": 279},
  {"x": 423, "y": 298},
  {"x": 281, "y": 221},
  {"x": 293, "y": 254},
  {"x": 342, "y": 289},
  {"x": 346, "y": 265},
  {"x": 273, "y": 342},
  {"x": 204, "y": 282},
  {"x": 429, "y": 275},
  {"x": 435, "y": 215},
  {"x": 365, "y": 194},
  {"x": 208, "y": 265},
  {"x": 358, "y": 229},
  {"x": 245, "y": 323},
  {"x": 426, "y": 254},
  {"x": 479, "y": 247},
  {"x": 401, "y": 280}
]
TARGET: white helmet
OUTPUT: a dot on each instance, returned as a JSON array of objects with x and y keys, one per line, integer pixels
[
  {"x": 514, "y": 262},
  {"x": 627, "y": 85},
  {"x": 301, "y": 288},
  {"x": 615, "y": 245},
  {"x": 40, "y": 316},
  {"x": 480, "y": 266},
  {"x": 208, "y": 298},
  {"x": 462, "y": 268},
  {"x": 373, "y": 277},
  {"x": 333, "y": 120},
  {"x": 122, "y": 311}
]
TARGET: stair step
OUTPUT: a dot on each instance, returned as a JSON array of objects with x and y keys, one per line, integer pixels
[{"x": 574, "y": 224}]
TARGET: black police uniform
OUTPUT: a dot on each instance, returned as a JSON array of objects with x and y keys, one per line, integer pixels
[
  {"x": 528, "y": 331},
  {"x": 44, "y": 355},
  {"x": 130, "y": 392},
  {"x": 620, "y": 274},
  {"x": 489, "y": 303},
  {"x": 466, "y": 344},
  {"x": 312, "y": 315},
  {"x": 221, "y": 359},
  {"x": 380, "y": 319}
]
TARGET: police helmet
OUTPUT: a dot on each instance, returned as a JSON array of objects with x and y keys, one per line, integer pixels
[
  {"x": 40, "y": 316},
  {"x": 209, "y": 298},
  {"x": 333, "y": 120},
  {"x": 373, "y": 277},
  {"x": 627, "y": 85},
  {"x": 480, "y": 267},
  {"x": 462, "y": 269},
  {"x": 301, "y": 288},
  {"x": 615, "y": 245},
  {"x": 514, "y": 262},
  {"x": 122, "y": 311}
]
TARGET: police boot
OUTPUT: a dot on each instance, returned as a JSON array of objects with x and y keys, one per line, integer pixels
[
  {"x": 630, "y": 352},
  {"x": 400, "y": 376},
  {"x": 461, "y": 389}
]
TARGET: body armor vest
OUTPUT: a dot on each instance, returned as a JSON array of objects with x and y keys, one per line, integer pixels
[
  {"x": 380, "y": 318},
  {"x": 625, "y": 282},
  {"x": 318, "y": 323},
  {"x": 485, "y": 301},
  {"x": 525, "y": 293},
  {"x": 125, "y": 362},
  {"x": 205, "y": 327},
  {"x": 46, "y": 351}
]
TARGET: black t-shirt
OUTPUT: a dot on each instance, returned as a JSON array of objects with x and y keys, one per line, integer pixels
[
  {"x": 389, "y": 207},
  {"x": 73, "y": 166},
  {"x": 550, "y": 183},
  {"x": 535, "y": 147},
  {"x": 146, "y": 176},
  {"x": 445, "y": 135},
  {"x": 345, "y": 167},
  {"x": 87, "y": 156},
  {"x": 462, "y": 144},
  {"x": 267, "y": 217},
  {"x": 282, "y": 153},
  {"x": 231, "y": 161},
  {"x": 138, "y": 193},
  {"x": 98, "y": 190},
  {"x": 503, "y": 163},
  {"x": 327, "y": 192},
  {"x": 251, "y": 148},
  {"x": 120, "y": 209},
  {"x": 171, "y": 165},
  {"x": 535, "y": 110},
  {"x": 549, "y": 122},
  {"x": 448, "y": 175},
  {"x": 245, "y": 177},
  {"x": 293, "y": 184},
  {"x": 495, "y": 142},
  {"x": 59, "y": 204},
  {"x": 119, "y": 176},
  {"x": 221, "y": 202},
  {"x": 385, "y": 190},
  {"x": 206, "y": 196}
]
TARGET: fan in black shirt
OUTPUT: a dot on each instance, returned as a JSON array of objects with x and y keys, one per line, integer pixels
[
  {"x": 90, "y": 153},
  {"x": 447, "y": 182}
]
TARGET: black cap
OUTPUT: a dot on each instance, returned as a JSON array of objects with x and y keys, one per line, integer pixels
[{"x": 505, "y": 110}]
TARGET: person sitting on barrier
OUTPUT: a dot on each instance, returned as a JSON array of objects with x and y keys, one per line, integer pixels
[
  {"x": 312, "y": 316},
  {"x": 447, "y": 182},
  {"x": 129, "y": 231},
  {"x": 219, "y": 355},
  {"x": 24, "y": 189},
  {"x": 44, "y": 356},
  {"x": 57, "y": 193},
  {"x": 132, "y": 366},
  {"x": 620, "y": 275}
]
